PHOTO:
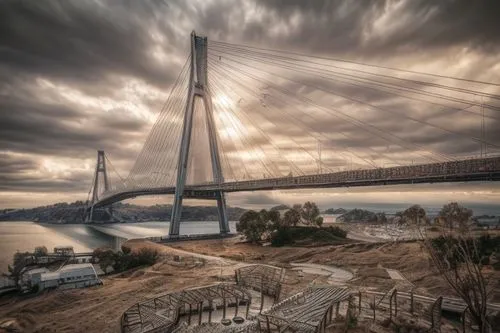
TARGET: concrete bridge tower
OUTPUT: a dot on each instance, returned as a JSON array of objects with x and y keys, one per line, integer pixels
[
  {"x": 99, "y": 170},
  {"x": 198, "y": 90}
]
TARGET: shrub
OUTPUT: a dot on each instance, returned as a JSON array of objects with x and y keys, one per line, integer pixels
[
  {"x": 281, "y": 237},
  {"x": 146, "y": 256},
  {"x": 323, "y": 236},
  {"x": 40, "y": 251},
  {"x": 290, "y": 235},
  {"x": 126, "y": 249},
  {"x": 336, "y": 231}
]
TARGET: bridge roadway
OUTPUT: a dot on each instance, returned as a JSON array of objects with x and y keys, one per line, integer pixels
[{"x": 478, "y": 169}]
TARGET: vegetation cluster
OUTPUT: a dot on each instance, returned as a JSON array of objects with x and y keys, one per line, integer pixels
[
  {"x": 300, "y": 224},
  {"x": 125, "y": 259}
]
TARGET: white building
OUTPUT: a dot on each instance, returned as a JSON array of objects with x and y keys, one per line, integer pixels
[
  {"x": 70, "y": 276},
  {"x": 32, "y": 277}
]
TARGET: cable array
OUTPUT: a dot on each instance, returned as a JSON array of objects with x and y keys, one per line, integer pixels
[{"x": 280, "y": 114}]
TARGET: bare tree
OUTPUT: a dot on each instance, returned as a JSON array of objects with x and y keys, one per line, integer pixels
[
  {"x": 310, "y": 214},
  {"x": 454, "y": 214},
  {"x": 415, "y": 215},
  {"x": 458, "y": 260}
]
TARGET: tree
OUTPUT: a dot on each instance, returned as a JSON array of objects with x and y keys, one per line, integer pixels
[
  {"x": 274, "y": 219},
  {"x": 459, "y": 259},
  {"x": 454, "y": 213},
  {"x": 107, "y": 257},
  {"x": 310, "y": 214},
  {"x": 252, "y": 225},
  {"x": 19, "y": 261},
  {"x": 414, "y": 215},
  {"x": 40, "y": 251},
  {"x": 297, "y": 207},
  {"x": 291, "y": 218},
  {"x": 126, "y": 249}
]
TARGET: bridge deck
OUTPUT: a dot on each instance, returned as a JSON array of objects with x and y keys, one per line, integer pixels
[{"x": 480, "y": 169}]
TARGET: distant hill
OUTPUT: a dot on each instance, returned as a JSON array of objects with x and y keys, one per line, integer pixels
[
  {"x": 280, "y": 207},
  {"x": 74, "y": 212},
  {"x": 335, "y": 211}
]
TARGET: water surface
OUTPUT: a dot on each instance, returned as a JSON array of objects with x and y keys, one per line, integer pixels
[{"x": 25, "y": 236}]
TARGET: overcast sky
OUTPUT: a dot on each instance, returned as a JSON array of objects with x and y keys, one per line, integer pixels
[{"x": 77, "y": 76}]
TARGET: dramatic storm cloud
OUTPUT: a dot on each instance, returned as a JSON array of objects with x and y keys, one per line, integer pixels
[{"x": 77, "y": 76}]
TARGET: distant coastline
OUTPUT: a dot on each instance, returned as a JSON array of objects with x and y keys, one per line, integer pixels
[{"x": 72, "y": 213}]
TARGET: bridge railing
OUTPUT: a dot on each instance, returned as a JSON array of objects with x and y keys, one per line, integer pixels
[{"x": 409, "y": 173}]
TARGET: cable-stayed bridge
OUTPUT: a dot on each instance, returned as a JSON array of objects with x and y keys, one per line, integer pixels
[{"x": 243, "y": 118}]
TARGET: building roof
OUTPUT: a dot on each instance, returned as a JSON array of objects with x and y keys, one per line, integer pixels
[
  {"x": 49, "y": 276},
  {"x": 37, "y": 270},
  {"x": 67, "y": 271},
  {"x": 73, "y": 267}
]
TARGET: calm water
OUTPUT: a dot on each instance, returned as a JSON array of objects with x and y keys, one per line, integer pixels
[{"x": 24, "y": 236}]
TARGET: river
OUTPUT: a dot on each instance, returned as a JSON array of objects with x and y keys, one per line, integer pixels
[{"x": 25, "y": 236}]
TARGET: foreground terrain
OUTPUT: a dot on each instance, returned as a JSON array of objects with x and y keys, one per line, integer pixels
[{"x": 378, "y": 266}]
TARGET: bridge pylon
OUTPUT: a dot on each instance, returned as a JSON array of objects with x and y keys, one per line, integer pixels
[
  {"x": 100, "y": 169},
  {"x": 198, "y": 89}
]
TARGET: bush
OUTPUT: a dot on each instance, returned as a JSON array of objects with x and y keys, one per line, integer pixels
[
  {"x": 121, "y": 261},
  {"x": 40, "y": 251},
  {"x": 35, "y": 288},
  {"x": 126, "y": 249},
  {"x": 290, "y": 235},
  {"x": 281, "y": 237},
  {"x": 336, "y": 231},
  {"x": 146, "y": 256},
  {"x": 323, "y": 236}
]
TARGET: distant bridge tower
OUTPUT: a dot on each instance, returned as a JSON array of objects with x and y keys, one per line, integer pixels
[
  {"x": 99, "y": 169},
  {"x": 198, "y": 90}
]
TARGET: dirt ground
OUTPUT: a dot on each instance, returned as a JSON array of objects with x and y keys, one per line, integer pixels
[{"x": 98, "y": 309}]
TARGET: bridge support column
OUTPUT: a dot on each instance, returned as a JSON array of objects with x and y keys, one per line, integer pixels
[
  {"x": 198, "y": 88},
  {"x": 100, "y": 169}
]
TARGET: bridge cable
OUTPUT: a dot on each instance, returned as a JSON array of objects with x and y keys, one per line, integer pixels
[
  {"x": 382, "y": 83},
  {"x": 353, "y": 120},
  {"x": 233, "y": 46},
  {"x": 311, "y": 130}
]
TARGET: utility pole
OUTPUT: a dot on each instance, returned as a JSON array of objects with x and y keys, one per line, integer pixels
[{"x": 320, "y": 171}]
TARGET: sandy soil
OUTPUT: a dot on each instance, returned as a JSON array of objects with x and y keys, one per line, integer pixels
[
  {"x": 368, "y": 262},
  {"x": 98, "y": 309}
]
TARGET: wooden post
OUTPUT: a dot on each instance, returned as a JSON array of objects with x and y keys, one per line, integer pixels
[
  {"x": 261, "y": 300},
  {"x": 224, "y": 308},
  {"x": 464, "y": 318},
  {"x": 267, "y": 323},
  {"x": 200, "y": 312},
  {"x": 411, "y": 302},
  {"x": 210, "y": 311},
  {"x": 374, "y": 308},
  {"x": 248, "y": 309},
  {"x": 348, "y": 314},
  {"x": 337, "y": 310},
  {"x": 237, "y": 306},
  {"x": 395, "y": 303},
  {"x": 390, "y": 308},
  {"x": 189, "y": 317},
  {"x": 139, "y": 311},
  {"x": 359, "y": 303}
]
